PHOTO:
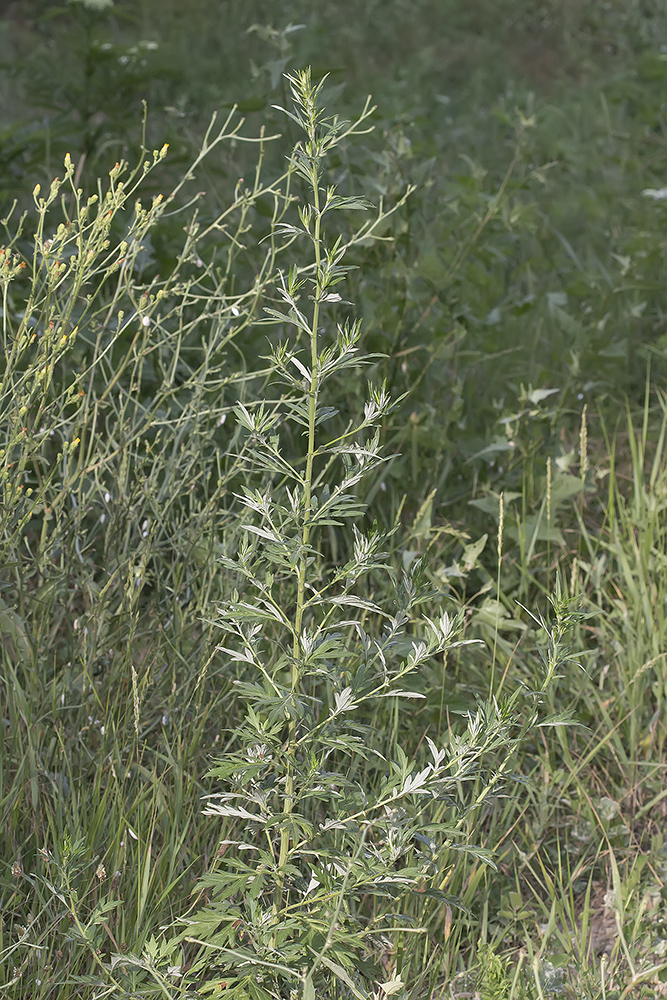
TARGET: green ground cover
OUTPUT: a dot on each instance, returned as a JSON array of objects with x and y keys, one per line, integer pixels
[{"x": 332, "y": 529}]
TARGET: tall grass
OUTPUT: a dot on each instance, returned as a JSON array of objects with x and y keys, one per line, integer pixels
[{"x": 114, "y": 397}]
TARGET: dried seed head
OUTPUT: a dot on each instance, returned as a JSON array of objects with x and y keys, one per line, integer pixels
[
  {"x": 583, "y": 445},
  {"x": 501, "y": 525}
]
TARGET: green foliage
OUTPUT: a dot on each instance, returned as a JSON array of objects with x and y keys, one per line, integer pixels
[
  {"x": 246, "y": 543},
  {"x": 320, "y": 841},
  {"x": 113, "y": 404}
]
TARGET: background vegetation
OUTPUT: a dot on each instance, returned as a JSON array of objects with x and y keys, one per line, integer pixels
[{"x": 509, "y": 282}]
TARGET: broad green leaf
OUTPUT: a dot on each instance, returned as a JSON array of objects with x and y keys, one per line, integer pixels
[
  {"x": 472, "y": 552},
  {"x": 308, "y": 988}
]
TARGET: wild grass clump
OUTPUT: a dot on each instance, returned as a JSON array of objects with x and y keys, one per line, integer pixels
[{"x": 114, "y": 393}]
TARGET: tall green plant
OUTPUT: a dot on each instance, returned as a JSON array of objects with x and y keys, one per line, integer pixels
[{"x": 324, "y": 832}]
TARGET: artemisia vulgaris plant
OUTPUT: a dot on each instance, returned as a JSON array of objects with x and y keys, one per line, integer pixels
[{"x": 323, "y": 832}]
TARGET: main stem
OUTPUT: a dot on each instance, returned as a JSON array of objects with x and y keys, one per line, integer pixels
[{"x": 285, "y": 835}]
